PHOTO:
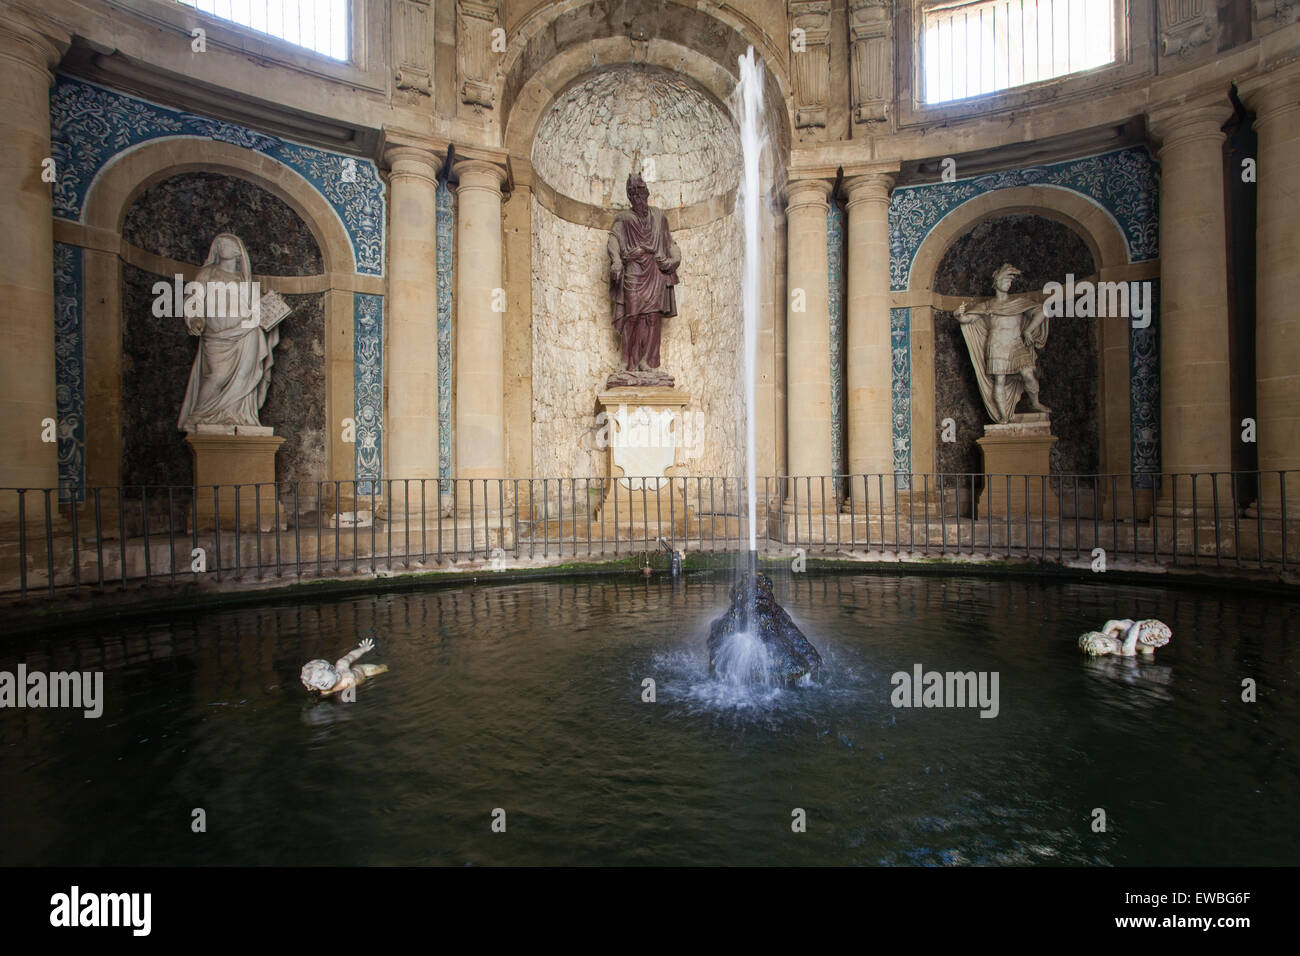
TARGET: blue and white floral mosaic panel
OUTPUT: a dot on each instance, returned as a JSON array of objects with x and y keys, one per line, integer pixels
[
  {"x": 368, "y": 332},
  {"x": 90, "y": 125},
  {"x": 70, "y": 371}
]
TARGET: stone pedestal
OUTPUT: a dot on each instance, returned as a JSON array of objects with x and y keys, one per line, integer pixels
[
  {"x": 246, "y": 457},
  {"x": 644, "y": 431},
  {"x": 1021, "y": 447}
]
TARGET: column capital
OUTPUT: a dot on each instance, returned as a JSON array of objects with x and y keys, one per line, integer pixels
[
  {"x": 1272, "y": 95},
  {"x": 32, "y": 40},
  {"x": 869, "y": 187},
  {"x": 807, "y": 192},
  {"x": 1190, "y": 119},
  {"x": 413, "y": 162},
  {"x": 480, "y": 174}
]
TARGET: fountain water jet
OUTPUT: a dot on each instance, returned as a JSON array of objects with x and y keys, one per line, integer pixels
[
  {"x": 755, "y": 641},
  {"x": 749, "y": 98}
]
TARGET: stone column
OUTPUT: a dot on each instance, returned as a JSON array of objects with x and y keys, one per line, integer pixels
[
  {"x": 412, "y": 373},
  {"x": 480, "y": 344},
  {"x": 867, "y": 361},
  {"x": 518, "y": 336},
  {"x": 808, "y": 362},
  {"x": 1195, "y": 414},
  {"x": 27, "y": 54},
  {"x": 1275, "y": 100}
]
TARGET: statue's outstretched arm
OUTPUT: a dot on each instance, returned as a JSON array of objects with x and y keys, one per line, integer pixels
[{"x": 352, "y": 656}]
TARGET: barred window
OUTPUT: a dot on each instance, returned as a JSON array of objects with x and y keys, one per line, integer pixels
[
  {"x": 317, "y": 25},
  {"x": 973, "y": 47}
]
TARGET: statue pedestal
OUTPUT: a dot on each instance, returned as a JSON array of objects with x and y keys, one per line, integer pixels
[
  {"x": 643, "y": 432},
  {"x": 1021, "y": 447},
  {"x": 234, "y": 457}
]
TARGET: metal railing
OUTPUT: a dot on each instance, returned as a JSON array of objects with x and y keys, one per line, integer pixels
[{"x": 145, "y": 535}]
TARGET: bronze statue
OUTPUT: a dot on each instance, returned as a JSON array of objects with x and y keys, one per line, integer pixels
[
  {"x": 1003, "y": 335},
  {"x": 643, "y": 261}
]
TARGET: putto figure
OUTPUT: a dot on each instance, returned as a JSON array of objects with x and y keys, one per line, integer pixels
[
  {"x": 1126, "y": 638},
  {"x": 320, "y": 676},
  {"x": 643, "y": 261},
  {"x": 1003, "y": 335}
]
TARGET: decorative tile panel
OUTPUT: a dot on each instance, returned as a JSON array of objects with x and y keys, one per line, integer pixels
[
  {"x": 1144, "y": 393},
  {"x": 900, "y": 347},
  {"x": 1122, "y": 182},
  {"x": 70, "y": 371},
  {"x": 368, "y": 410},
  {"x": 91, "y": 125}
]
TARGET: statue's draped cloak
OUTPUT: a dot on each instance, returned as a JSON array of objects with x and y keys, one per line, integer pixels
[
  {"x": 997, "y": 347},
  {"x": 644, "y": 294},
  {"x": 232, "y": 370}
]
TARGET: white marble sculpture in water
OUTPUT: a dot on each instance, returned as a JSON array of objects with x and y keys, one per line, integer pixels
[
  {"x": 1003, "y": 335},
  {"x": 1126, "y": 638},
  {"x": 232, "y": 369}
]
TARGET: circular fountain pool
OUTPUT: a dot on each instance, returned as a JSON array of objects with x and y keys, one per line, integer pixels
[{"x": 529, "y": 698}]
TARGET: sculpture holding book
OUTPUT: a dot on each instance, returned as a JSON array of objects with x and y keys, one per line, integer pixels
[{"x": 238, "y": 329}]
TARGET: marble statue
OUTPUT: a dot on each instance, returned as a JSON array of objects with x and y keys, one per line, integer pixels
[
  {"x": 320, "y": 676},
  {"x": 643, "y": 261},
  {"x": 232, "y": 369},
  {"x": 1138, "y": 637},
  {"x": 1003, "y": 335}
]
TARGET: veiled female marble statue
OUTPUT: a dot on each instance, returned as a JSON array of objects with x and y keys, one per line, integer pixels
[
  {"x": 232, "y": 369},
  {"x": 1003, "y": 335}
]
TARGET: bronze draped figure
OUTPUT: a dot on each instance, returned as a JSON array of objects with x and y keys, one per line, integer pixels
[{"x": 643, "y": 261}]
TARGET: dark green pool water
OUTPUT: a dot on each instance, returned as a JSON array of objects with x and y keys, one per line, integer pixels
[{"x": 528, "y": 698}]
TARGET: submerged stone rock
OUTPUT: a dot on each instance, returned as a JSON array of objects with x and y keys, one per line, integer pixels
[{"x": 779, "y": 653}]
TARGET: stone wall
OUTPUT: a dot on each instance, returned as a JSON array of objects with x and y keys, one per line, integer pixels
[
  {"x": 177, "y": 219},
  {"x": 1044, "y": 250},
  {"x": 575, "y": 347}
]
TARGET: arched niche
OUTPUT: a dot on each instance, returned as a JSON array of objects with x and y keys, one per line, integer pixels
[
  {"x": 1106, "y": 244},
  {"x": 110, "y": 197},
  {"x": 561, "y": 41},
  {"x": 174, "y": 221},
  {"x": 1045, "y": 250}
]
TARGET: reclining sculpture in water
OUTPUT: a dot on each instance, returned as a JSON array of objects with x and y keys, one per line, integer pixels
[
  {"x": 1126, "y": 638},
  {"x": 319, "y": 675},
  {"x": 755, "y": 641}
]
